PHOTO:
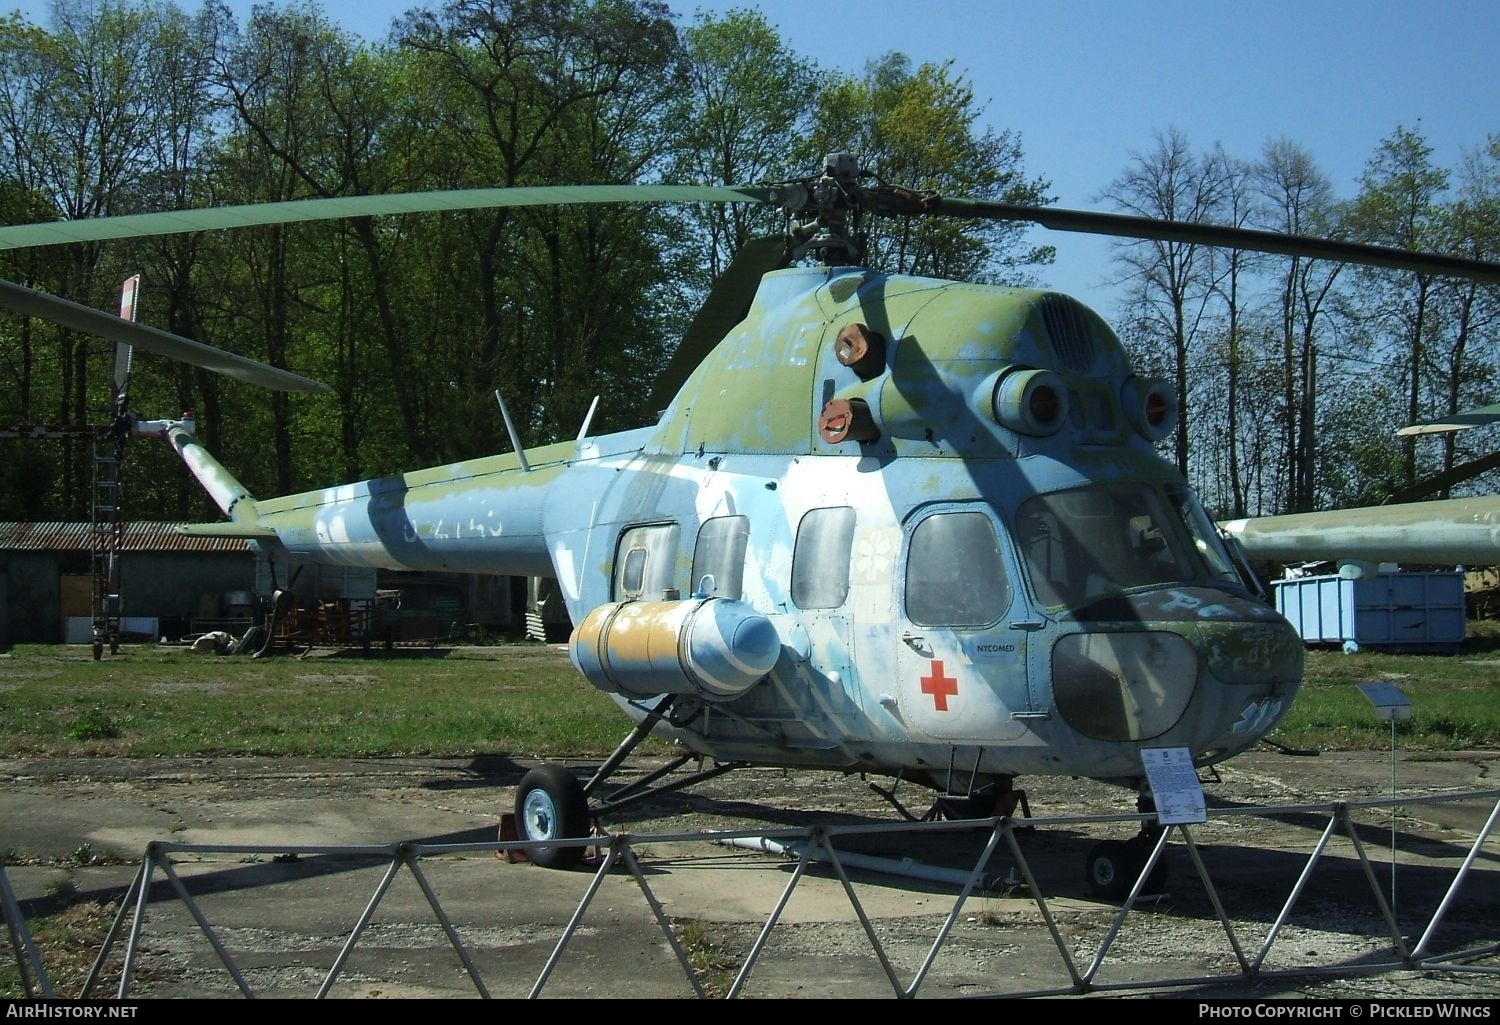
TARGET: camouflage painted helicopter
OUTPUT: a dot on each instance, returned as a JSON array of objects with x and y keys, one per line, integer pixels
[
  {"x": 938, "y": 547},
  {"x": 1402, "y": 529}
]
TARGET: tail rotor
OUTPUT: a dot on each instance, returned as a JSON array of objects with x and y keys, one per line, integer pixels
[{"x": 108, "y": 516}]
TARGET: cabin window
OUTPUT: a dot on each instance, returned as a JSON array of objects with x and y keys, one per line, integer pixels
[
  {"x": 955, "y": 575},
  {"x": 632, "y": 580},
  {"x": 820, "y": 562},
  {"x": 719, "y": 557},
  {"x": 645, "y": 562}
]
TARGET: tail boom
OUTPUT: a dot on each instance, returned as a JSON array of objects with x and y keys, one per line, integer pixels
[{"x": 479, "y": 516}]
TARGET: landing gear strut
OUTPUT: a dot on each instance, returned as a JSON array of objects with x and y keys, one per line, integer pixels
[
  {"x": 985, "y": 803},
  {"x": 1113, "y": 866},
  {"x": 551, "y": 804}
]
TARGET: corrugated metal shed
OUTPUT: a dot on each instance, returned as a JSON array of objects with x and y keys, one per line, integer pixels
[{"x": 138, "y": 536}]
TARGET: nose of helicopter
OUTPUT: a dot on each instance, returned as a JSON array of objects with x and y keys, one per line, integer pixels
[
  {"x": 1197, "y": 668},
  {"x": 1251, "y": 672}
]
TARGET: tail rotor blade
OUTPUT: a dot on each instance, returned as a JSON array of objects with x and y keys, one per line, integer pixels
[
  {"x": 124, "y": 354},
  {"x": 124, "y": 351}
]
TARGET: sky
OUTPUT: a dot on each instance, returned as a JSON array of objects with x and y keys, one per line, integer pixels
[{"x": 1086, "y": 84}]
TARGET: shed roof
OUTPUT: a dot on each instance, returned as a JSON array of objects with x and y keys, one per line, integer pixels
[{"x": 138, "y": 536}]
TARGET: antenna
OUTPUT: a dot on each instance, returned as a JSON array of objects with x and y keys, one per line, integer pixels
[
  {"x": 515, "y": 439},
  {"x": 587, "y": 419}
]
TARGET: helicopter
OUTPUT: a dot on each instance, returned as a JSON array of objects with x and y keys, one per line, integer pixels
[
  {"x": 1402, "y": 529},
  {"x": 903, "y": 527}
]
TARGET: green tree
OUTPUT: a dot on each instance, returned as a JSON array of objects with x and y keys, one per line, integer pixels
[
  {"x": 86, "y": 108},
  {"x": 552, "y": 92},
  {"x": 319, "y": 112},
  {"x": 273, "y": 75},
  {"x": 748, "y": 104},
  {"x": 187, "y": 116},
  {"x": 1399, "y": 205}
]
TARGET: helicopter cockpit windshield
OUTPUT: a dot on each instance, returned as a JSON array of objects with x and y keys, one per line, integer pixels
[{"x": 1091, "y": 542}]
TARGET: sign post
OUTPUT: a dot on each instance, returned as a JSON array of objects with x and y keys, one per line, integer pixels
[{"x": 1389, "y": 703}]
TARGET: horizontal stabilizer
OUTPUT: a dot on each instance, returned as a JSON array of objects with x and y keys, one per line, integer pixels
[{"x": 248, "y": 531}]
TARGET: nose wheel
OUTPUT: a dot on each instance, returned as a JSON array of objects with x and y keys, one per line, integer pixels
[{"x": 1113, "y": 866}]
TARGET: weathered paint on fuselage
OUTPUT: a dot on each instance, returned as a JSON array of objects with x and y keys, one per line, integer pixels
[{"x": 861, "y": 685}]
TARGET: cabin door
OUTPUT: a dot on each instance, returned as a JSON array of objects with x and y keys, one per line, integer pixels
[{"x": 961, "y": 662}]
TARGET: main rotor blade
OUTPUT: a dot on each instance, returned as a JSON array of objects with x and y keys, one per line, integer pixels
[
  {"x": 1126, "y": 226},
  {"x": 106, "y": 325},
  {"x": 18, "y": 236},
  {"x": 1460, "y": 473},
  {"x": 1457, "y": 422}
]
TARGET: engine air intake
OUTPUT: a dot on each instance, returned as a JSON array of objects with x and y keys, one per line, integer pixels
[
  {"x": 1151, "y": 405},
  {"x": 1031, "y": 402}
]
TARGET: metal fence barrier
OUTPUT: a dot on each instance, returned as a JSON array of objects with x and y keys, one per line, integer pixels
[
  {"x": 824, "y": 845},
  {"x": 28, "y": 960}
]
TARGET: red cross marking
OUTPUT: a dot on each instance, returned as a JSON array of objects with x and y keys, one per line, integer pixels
[{"x": 939, "y": 686}]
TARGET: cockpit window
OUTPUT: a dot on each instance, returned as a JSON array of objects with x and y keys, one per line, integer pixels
[
  {"x": 1205, "y": 533},
  {"x": 1091, "y": 542}
]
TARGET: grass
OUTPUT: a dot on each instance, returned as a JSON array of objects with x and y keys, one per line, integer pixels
[
  {"x": 68, "y": 943},
  {"x": 715, "y": 967},
  {"x": 520, "y": 700},
  {"x": 526, "y": 701},
  {"x": 1455, "y": 698}
]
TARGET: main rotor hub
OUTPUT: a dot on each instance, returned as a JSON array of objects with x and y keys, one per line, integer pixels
[{"x": 828, "y": 211}]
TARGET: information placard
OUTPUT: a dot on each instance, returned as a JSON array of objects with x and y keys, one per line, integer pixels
[{"x": 1174, "y": 785}]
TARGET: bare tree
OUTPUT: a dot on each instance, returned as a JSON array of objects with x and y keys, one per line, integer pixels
[
  {"x": 1173, "y": 283},
  {"x": 1297, "y": 199}
]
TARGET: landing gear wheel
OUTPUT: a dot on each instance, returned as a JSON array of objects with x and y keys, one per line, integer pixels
[
  {"x": 1115, "y": 865},
  {"x": 550, "y": 805},
  {"x": 1109, "y": 873}
]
